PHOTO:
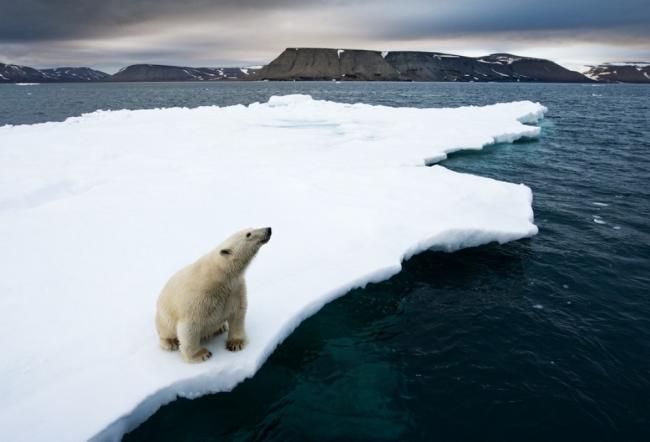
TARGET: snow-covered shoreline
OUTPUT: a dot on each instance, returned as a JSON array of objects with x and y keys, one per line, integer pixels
[{"x": 96, "y": 213}]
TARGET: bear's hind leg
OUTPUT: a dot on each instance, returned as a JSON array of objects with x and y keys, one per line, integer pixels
[
  {"x": 166, "y": 332},
  {"x": 190, "y": 343}
]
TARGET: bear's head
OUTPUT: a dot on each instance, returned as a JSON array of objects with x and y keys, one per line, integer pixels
[{"x": 240, "y": 248}]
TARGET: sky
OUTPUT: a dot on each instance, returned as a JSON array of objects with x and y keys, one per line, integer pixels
[{"x": 111, "y": 34}]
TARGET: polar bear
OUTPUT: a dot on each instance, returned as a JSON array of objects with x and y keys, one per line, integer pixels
[{"x": 208, "y": 297}]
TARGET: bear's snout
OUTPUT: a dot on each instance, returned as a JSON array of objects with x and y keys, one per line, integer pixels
[{"x": 267, "y": 236}]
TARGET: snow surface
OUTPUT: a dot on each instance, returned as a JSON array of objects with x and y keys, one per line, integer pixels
[
  {"x": 500, "y": 73},
  {"x": 641, "y": 64},
  {"x": 507, "y": 59},
  {"x": 98, "y": 211},
  {"x": 189, "y": 73}
]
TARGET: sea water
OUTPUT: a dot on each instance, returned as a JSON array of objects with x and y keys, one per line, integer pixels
[{"x": 547, "y": 338}]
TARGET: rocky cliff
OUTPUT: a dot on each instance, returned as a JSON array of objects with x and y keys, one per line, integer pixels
[
  {"x": 346, "y": 64},
  {"x": 328, "y": 64},
  {"x": 629, "y": 72}
]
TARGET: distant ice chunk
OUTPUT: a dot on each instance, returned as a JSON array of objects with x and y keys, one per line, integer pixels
[{"x": 97, "y": 212}]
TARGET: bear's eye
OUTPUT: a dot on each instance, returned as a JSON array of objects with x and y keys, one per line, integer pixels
[
  {"x": 248, "y": 235},
  {"x": 225, "y": 252}
]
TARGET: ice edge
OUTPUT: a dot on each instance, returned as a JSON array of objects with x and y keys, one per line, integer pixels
[
  {"x": 148, "y": 407},
  {"x": 440, "y": 242},
  {"x": 447, "y": 239}
]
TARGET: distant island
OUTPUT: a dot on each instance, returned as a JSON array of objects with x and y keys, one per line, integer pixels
[
  {"x": 323, "y": 64},
  {"x": 153, "y": 72},
  {"x": 343, "y": 64},
  {"x": 629, "y": 72},
  {"x": 13, "y": 73}
]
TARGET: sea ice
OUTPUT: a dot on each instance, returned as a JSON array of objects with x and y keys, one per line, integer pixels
[
  {"x": 598, "y": 219},
  {"x": 97, "y": 212}
]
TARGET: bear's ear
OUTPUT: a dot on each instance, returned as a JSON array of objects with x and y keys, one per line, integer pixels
[{"x": 225, "y": 252}]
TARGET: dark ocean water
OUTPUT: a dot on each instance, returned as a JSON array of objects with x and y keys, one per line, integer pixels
[{"x": 541, "y": 339}]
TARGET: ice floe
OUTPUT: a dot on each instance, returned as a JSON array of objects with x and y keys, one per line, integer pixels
[
  {"x": 598, "y": 219},
  {"x": 96, "y": 212}
]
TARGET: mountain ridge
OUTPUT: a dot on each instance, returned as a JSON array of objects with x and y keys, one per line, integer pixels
[
  {"x": 330, "y": 64},
  {"x": 346, "y": 65},
  {"x": 620, "y": 72},
  {"x": 13, "y": 73},
  {"x": 157, "y": 72}
]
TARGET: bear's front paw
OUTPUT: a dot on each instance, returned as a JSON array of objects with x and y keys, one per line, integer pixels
[
  {"x": 202, "y": 355},
  {"x": 235, "y": 344},
  {"x": 169, "y": 344}
]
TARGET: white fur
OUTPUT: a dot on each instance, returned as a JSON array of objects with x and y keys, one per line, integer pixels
[{"x": 204, "y": 298}]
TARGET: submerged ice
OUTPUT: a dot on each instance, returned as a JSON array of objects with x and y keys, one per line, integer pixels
[{"x": 98, "y": 211}]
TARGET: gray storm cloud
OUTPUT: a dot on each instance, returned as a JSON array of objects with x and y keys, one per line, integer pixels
[
  {"x": 27, "y": 20},
  {"x": 200, "y": 30},
  {"x": 474, "y": 16}
]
